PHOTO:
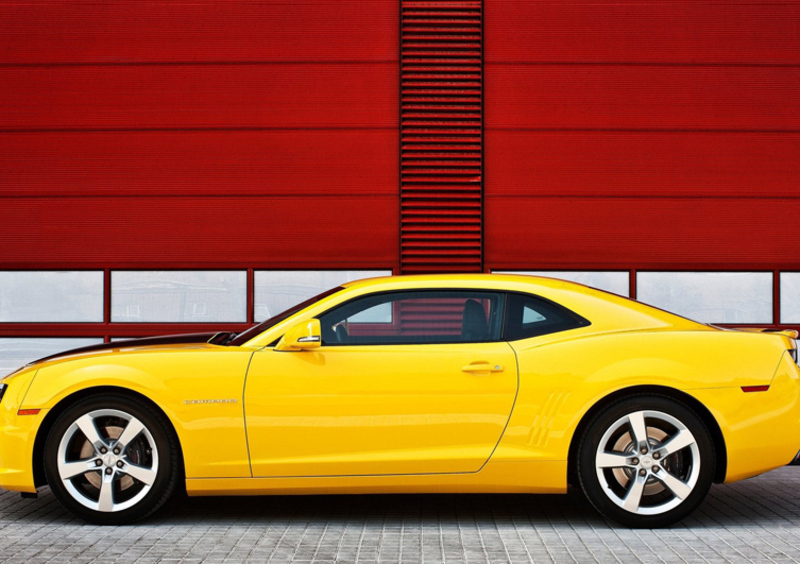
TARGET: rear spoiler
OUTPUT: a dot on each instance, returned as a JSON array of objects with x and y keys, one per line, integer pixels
[
  {"x": 791, "y": 333},
  {"x": 789, "y": 337},
  {"x": 788, "y": 333}
]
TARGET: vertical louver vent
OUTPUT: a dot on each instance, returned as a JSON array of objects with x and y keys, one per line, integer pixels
[{"x": 441, "y": 136}]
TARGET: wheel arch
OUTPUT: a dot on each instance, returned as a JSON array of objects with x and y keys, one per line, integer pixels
[
  {"x": 49, "y": 420},
  {"x": 717, "y": 438}
]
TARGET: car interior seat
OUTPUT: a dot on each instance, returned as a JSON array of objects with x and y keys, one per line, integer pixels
[
  {"x": 340, "y": 332},
  {"x": 474, "y": 326}
]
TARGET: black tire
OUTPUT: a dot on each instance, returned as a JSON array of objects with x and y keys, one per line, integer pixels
[
  {"x": 154, "y": 450},
  {"x": 610, "y": 487}
]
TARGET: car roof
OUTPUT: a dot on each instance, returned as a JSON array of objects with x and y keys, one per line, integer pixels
[{"x": 480, "y": 279}]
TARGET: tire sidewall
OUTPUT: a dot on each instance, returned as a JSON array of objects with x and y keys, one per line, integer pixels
[
  {"x": 590, "y": 441},
  {"x": 166, "y": 476}
]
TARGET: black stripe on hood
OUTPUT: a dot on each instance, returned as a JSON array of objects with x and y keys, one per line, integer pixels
[{"x": 186, "y": 338}]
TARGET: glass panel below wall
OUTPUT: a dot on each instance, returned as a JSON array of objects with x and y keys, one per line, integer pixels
[
  {"x": 18, "y": 351},
  {"x": 278, "y": 290},
  {"x": 178, "y": 296},
  {"x": 616, "y": 282},
  {"x": 709, "y": 297},
  {"x": 51, "y": 296},
  {"x": 790, "y": 297}
]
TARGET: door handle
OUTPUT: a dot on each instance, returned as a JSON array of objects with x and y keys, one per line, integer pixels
[{"x": 482, "y": 367}]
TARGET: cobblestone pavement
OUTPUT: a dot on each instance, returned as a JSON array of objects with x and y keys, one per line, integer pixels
[{"x": 756, "y": 520}]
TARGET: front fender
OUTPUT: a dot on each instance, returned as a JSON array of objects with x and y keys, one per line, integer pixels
[{"x": 211, "y": 433}]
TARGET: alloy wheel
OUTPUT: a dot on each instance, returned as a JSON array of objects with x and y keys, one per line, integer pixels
[
  {"x": 647, "y": 462},
  {"x": 107, "y": 460}
]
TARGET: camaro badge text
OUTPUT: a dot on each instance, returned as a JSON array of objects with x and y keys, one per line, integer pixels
[{"x": 192, "y": 402}]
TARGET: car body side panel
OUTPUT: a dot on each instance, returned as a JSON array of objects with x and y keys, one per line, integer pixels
[
  {"x": 563, "y": 375},
  {"x": 199, "y": 388},
  {"x": 761, "y": 429}
]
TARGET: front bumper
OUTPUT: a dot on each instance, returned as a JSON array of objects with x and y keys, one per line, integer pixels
[{"x": 17, "y": 436}]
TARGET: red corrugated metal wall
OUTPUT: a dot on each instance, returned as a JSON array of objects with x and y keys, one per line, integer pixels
[
  {"x": 654, "y": 134},
  {"x": 202, "y": 134}
]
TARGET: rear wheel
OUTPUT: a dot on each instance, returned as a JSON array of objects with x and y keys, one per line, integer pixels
[
  {"x": 111, "y": 459},
  {"x": 646, "y": 461}
]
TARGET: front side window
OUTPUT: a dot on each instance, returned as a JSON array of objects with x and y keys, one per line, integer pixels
[
  {"x": 528, "y": 316},
  {"x": 415, "y": 317}
]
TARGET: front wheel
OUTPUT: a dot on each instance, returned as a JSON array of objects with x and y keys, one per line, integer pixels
[
  {"x": 646, "y": 461},
  {"x": 111, "y": 459}
]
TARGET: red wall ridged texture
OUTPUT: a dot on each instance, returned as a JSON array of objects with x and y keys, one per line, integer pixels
[
  {"x": 644, "y": 134},
  {"x": 650, "y": 134},
  {"x": 203, "y": 134}
]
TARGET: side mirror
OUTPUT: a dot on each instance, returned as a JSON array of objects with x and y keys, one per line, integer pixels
[{"x": 306, "y": 335}]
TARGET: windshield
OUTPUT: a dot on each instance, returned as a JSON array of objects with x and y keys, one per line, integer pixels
[{"x": 245, "y": 336}]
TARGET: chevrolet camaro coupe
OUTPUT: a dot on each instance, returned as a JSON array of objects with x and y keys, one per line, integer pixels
[{"x": 475, "y": 383}]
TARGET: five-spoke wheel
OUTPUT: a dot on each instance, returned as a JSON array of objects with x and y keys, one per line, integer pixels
[
  {"x": 111, "y": 460},
  {"x": 646, "y": 461}
]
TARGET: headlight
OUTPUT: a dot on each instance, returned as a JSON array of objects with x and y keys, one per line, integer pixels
[{"x": 4, "y": 381}]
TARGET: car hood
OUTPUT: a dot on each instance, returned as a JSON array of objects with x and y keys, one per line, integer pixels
[{"x": 188, "y": 338}]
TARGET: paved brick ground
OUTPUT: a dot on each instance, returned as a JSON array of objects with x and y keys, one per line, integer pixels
[{"x": 756, "y": 520}]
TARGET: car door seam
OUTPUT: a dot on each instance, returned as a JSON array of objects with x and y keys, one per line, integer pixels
[
  {"x": 513, "y": 404},
  {"x": 244, "y": 414}
]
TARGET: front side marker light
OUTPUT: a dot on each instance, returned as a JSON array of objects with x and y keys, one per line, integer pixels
[{"x": 28, "y": 412}]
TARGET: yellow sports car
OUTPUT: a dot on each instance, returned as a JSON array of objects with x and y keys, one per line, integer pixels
[{"x": 475, "y": 383}]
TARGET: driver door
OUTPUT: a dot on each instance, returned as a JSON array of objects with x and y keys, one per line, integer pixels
[{"x": 403, "y": 383}]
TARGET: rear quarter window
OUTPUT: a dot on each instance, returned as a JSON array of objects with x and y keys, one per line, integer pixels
[{"x": 530, "y": 316}]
